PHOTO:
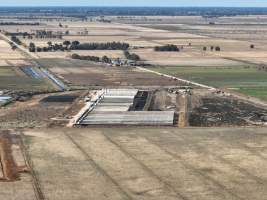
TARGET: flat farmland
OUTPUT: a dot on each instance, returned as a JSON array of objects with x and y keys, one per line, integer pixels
[
  {"x": 257, "y": 57},
  {"x": 132, "y": 40},
  {"x": 192, "y": 20},
  {"x": 187, "y": 57},
  {"x": 246, "y": 79},
  {"x": 7, "y": 53},
  {"x": 11, "y": 78},
  {"x": 226, "y": 45},
  {"x": 258, "y": 92},
  {"x": 83, "y": 73},
  {"x": 194, "y": 61},
  {"x": 100, "y": 39},
  {"x": 23, "y": 28},
  {"x": 21, "y": 62},
  {"x": 239, "y": 31},
  {"x": 40, "y": 42},
  {"x": 104, "y": 32},
  {"x": 67, "y": 54},
  {"x": 148, "y": 163},
  {"x": 117, "y": 29},
  {"x": 229, "y": 68}
]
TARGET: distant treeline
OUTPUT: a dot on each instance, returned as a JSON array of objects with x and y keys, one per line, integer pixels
[
  {"x": 131, "y": 56},
  {"x": 104, "y": 59},
  {"x": 19, "y": 24},
  {"x": 169, "y": 47},
  {"x": 51, "y": 47},
  {"x": 101, "y": 46},
  {"x": 83, "y": 12},
  {"x": 50, "y": 34},
  {"x": 39, "y": 34},
  {"x": 75, "y": 45},
  {"x": 23, "y": 34}
]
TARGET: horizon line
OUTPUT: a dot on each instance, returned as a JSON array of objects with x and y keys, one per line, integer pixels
[{"x": 118, "y": 6}]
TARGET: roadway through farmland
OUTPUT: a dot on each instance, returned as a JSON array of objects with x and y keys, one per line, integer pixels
[
  {"x": 51, "y": 78},
  {"x": 176, "y": 78},
  {"x": 234, "y": 94},
  {"x": 22, "y": 49}
]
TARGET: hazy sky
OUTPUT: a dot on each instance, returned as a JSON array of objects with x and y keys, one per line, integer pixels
[{"x": 238, "y": 3}]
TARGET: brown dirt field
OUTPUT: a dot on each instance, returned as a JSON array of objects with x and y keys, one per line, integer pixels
[
  {"x": 226, "y": 45},
  {"x": 99, "y": 53},
  {"x": 150, "y": 163},
  {"x": 83, "y": 73},
  {"x": 7, "y": 53},
  {"x": 18, "y": 62},
  {"x": 104, "y": 76},
  {"x": 34, "y": 112},
  {"x": 11, "y": 171},
  {"x": 98, "y": 38},
  {"x": 185, "y": 58}
]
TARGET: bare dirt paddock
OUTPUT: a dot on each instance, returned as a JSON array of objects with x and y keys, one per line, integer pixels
[
  {"x": 84, "y": 73},
  {"x": 146, "y": 163}
]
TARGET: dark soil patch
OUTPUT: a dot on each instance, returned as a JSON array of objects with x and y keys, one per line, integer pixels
[
  {"x": 139, "y": 101},
  {"x": 60, "y": 99},
  {"x": 225, "y": 112}
]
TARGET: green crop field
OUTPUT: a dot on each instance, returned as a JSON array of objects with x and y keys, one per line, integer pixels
[
  {"x": 10, "y": 79},
  {"x": 247, "y": 80},
  {"x": 260, "y": 92}
]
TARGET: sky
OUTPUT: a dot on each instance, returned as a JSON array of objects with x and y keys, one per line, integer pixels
[{"x": 171, "y": 3}]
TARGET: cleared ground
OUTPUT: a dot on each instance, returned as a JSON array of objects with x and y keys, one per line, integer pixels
[
  {"x": 99, "y": 53},
  {"x": 147, "y": 163},
  {"x": 84, "y": 73},
  {"x": 37, "y": 111},
  {"x": 7, "y": 53}
]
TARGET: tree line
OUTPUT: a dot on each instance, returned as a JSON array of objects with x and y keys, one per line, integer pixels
[
  {"x": 19, "y": 24},
  {"x": 104, "y": 59},
  {"x": 23, "y": 34},
  {"x": 169, "y": 47},
  {"x": 75, "y": 45},
  {"x": 101, "y": 46}
]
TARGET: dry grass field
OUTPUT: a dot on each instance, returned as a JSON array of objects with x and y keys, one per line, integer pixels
[
  {"x": 12, "y": 78},
  {"x": 188, "y": 57},
  {"x": 99, "y": 53},
  {"x": 87, "y": 74},
  {"x": 144, "y": 163},
  {"x": 7, "y": 53}
]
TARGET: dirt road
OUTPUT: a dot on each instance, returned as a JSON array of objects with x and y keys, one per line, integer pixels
[{"x": 21, "y": 48}]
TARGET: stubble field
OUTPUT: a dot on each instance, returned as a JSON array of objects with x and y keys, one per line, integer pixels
[{"x": 146, "y": 163}]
